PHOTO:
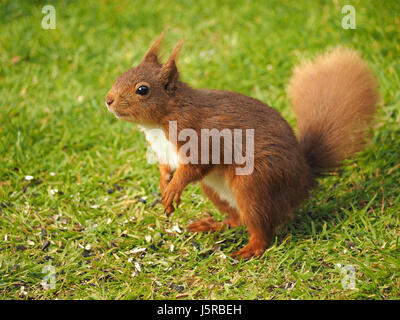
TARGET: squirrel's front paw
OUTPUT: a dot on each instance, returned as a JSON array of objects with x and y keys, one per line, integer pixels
[
  {"x": 171, "y": 194},
  {"x": 169, "y": 210}
]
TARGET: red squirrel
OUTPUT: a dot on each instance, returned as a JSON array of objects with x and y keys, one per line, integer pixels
[{"x": 333, "y": 97}]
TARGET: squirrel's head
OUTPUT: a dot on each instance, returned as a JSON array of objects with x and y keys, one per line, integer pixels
[{"x": 141, "y": 94}]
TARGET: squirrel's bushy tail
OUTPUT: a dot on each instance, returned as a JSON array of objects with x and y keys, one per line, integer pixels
[{"x": 334, "y": 98}]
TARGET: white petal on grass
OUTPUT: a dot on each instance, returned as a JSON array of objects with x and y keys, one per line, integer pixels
[
  {"x": 222, "y": 255},
  {"x": 94, "y": 206},
  {"x": 176, "y": 228},
  {"x": 28, "y": 178},
  {"x": 30, "y": 242},
  {"x": 53, "y": 191},
  {"x": 147, "y": 238},
  {"x": 23, "y": 292},
  {"x": 157, "y": 282},
  {"x": 52, "y": 174},
  {"x": 171, "y": 247},
  {"x": 137, "y": 266},
  {"x": 137, "y": 250},
  {"x": 88, "y": 247},
  {"x": 109, "y": 220}
]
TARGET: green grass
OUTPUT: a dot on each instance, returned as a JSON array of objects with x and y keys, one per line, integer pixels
[{"x": 54, "y": 127}]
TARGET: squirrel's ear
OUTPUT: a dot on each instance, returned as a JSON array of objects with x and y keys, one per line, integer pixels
[
  {"x": 169, "y": 71},
  {"x": 154, "y": 50}
]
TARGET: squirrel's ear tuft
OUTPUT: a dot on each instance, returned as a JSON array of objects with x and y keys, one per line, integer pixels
[
  {"x": 169, "y": 71},
  {"x": 154, "y": 50}
]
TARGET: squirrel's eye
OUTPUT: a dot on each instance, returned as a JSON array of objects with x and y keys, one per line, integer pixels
[{"x": 142, "y": 90}]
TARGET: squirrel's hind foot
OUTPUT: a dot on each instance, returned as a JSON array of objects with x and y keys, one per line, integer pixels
[
  {"x": 254, "y": 248},
  {"x": 210, "y": 225},
  {"x": 205, "y": 225}
]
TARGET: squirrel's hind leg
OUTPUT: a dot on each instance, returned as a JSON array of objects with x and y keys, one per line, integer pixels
[
  {"x": 258, "y": 213},
  {"x": 209, "y": 224}
]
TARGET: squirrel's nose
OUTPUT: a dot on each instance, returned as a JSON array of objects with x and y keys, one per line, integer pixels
[{"x": 109, "y": 100}]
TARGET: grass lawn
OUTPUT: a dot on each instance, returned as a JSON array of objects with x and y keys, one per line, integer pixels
[{"x": 80, "y": 205}]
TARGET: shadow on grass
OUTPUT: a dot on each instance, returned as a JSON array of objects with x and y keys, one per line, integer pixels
[{"x": 329, "y": 210}]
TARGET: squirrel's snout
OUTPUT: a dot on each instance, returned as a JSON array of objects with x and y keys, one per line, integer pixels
[{"x": 109, "y": 100}]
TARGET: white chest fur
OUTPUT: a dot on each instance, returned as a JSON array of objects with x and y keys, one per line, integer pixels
[
  {"x": 217, "y": 181},
  {"x": 166, "y": 153}
]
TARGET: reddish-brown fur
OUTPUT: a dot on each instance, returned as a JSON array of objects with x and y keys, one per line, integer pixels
[
  {"x": 333, "y": 98},
  {"x": 209, "y": 224}
]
